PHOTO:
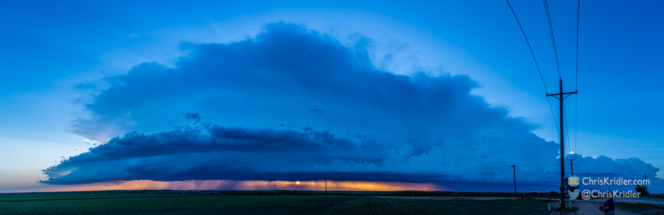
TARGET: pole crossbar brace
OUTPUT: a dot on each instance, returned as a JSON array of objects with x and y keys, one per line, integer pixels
[{"x": 557, "y": 95}]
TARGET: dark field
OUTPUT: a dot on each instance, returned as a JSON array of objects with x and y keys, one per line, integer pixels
[
  {"x": 252, "y": 204},
  {"x": 642, "y": 208},
  {"x": 658, "y": 196}
]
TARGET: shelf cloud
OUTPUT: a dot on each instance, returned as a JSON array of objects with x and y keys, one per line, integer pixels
[{"x": 295, "y": 104}]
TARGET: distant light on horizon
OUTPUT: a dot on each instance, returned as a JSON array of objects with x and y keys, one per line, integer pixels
[{"x": 240, "y": 185}]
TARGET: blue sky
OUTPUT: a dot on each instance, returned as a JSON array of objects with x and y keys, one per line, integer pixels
[{"x": 71, "y": 79}]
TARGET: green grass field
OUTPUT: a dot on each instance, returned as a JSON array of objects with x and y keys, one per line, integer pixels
[{"x": 252, "y": 204}]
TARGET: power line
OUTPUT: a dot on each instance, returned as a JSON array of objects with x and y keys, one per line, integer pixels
[
  {"x": 576, "y": 125},
  {"x": 529, "y": 47},
  {"x": 536, "y": 64},
  {"x": 567, "y": 130},
  {"x": 561, "y": 96},
  {"x": 553, "y": 39},
  {"x": 576, "y": 78},
  {"x": 553, "y": 115}
]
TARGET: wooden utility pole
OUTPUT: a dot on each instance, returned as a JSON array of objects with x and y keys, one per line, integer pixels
[
  {"x": 561, "y": 97},
  {"x": 571, "y": 162},
  {"x": 514, "y": 171}
]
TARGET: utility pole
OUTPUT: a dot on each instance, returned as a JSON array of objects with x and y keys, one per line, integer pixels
[
  {"x": 514, "y": 171},
  {"x": 561, "y": 97},
  {"x": 571, "y": 162},
  {"x": 645, "y": 176}
]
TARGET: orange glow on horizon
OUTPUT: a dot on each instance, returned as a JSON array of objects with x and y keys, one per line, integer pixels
[{"x": 241, "y": 185}]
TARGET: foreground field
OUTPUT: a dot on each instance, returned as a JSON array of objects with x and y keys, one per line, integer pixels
[
  {"x": 642, "y": 208},
  {"x": 255, "y": 204}
]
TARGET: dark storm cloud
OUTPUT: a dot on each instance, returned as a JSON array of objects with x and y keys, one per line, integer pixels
[
  {"x": 259, "y": 94},
  {"x": 316, "y": 110},
  {"x": 147, "y": 156},
  {"x": 193, "y": 116}
]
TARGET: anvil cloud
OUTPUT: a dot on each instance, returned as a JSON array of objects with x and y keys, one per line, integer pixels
[{"x": 294, "y": 104}]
